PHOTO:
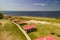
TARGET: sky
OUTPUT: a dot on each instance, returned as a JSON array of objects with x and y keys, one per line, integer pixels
[{"x": 29, "y": 5}]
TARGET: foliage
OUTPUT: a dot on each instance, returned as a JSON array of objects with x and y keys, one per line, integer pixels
[{"x": 1, "y": 16}]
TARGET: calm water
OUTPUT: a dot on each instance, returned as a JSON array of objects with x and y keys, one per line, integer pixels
[{"x": 33, "y": 13}]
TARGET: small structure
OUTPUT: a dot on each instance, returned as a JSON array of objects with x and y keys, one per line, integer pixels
[
  {"x": 58, "y": 35},
  {"x": 30, "y": 28},
  {"x": 52, "y": 33},
  {"x": 46, "y": 38},
  {"x": 11, "y": 18},
  {"x": 22, "y": 22},
  {"x": 7, "y": 17},
  {"x": 15, "y": 20}
]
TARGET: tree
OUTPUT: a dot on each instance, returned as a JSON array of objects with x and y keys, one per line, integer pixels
[{"x": 1, "y": 16}]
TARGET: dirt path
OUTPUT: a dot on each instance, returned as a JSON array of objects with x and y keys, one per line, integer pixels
[{"x": 24, "y": 32}]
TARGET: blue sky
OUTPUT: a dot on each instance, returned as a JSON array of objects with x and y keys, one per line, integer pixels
[{"x": 29, "y": 5}]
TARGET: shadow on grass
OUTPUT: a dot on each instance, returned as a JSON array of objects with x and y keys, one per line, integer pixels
[{"x": 31, "y": 30}]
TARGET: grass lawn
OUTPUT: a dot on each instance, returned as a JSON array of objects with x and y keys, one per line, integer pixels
[
  {"x": 9, "y": 31},
  {"x": 45, "y": 30}
]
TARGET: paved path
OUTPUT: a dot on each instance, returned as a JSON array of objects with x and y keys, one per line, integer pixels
[{"x": 24, "y": 32}]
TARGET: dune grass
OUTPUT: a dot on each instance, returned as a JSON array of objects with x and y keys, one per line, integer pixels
[
  {"x": 57, "y": 20},
  {"x": 10, "y": 31}
]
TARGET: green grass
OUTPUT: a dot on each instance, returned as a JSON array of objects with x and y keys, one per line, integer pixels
[
  {"x": 45, "y": 30},
  {"x": 13, "y": 31}
]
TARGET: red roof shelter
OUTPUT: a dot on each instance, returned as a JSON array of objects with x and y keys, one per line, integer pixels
[
  {"x": 28, "y": 27},
  {"x": 46, "y": 38},
  {"x": 21, "y": 21},
  {"x": 15, "y": 19}
]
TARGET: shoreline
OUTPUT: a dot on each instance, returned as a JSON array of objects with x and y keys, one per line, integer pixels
[{"x": 31, "y": 16}]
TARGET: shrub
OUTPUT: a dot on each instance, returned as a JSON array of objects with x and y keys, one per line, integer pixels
[{"x": 1, "y": 16}]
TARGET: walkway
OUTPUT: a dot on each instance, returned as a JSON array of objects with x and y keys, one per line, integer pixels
[{"x": 24, "y": 32}]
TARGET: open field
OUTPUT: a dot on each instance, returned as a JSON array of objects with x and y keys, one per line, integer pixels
[
  {"x": 46, "y": 27},
  {"x": 45, "y": 30},
  {"x": 9, "y": 31}
]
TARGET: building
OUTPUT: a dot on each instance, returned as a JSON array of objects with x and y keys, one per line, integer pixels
[
  {"x": 22, "y": 22},
  {"x": 7, "y": 17},
  {"x": 29, "y": 28},
  {"x": 15, "y": 19}
]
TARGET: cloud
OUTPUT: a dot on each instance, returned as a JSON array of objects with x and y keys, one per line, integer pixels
[
  {"x": 55, "y": 1},
  {"x": 39, "y": 4},
  {"x": 53, "y": 4}
]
